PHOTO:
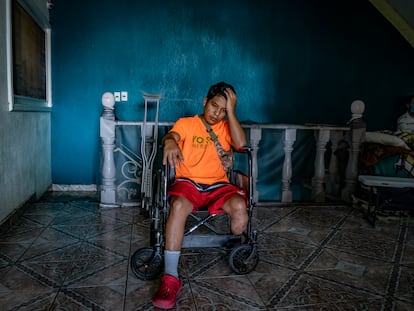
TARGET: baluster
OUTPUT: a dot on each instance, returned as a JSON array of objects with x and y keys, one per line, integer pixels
[
  {"x": 255, "y": 137},
  {"x": 357, "y": 136},
  {"x": 107, "y": 133},
  {"x": 318, "y": 192},
  {"x": 332, "y": 186},
  {"x": 289, "y": 138}
]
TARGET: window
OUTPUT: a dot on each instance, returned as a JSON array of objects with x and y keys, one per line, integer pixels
[{"x": 28, "y": 57}]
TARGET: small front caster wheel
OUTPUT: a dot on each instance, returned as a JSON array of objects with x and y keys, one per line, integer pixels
[
  {"x": 146, "y": 263},
  {"x": 243, "y": 259}
]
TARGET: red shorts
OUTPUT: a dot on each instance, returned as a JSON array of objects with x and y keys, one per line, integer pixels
[{"x": 214, "y": 196}]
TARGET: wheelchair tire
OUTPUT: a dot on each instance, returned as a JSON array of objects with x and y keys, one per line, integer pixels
[
  {"x": 243, "y": 259},
  {"x": 146, "y": 263}
]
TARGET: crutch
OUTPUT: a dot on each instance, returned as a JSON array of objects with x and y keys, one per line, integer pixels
[{"x": 149, "y": 140}]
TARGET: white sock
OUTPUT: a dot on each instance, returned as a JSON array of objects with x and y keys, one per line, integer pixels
[{"x": 171, "y": 259}]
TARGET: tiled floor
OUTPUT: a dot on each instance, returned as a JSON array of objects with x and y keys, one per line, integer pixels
[{"x": 66, "y": 253}]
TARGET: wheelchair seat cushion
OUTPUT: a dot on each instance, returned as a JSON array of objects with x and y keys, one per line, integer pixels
[{"x": 213, "y": 196}]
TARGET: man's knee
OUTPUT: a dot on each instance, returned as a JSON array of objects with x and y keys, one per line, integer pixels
[
  {"x": 236, "y": 206},
  {"x": 238, "y": 228},
  {"x": 180, "y": 207},
  {"x": 237, "y": 211}
]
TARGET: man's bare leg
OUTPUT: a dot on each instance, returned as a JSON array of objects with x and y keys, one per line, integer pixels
[{"x": 236, "y": 208}]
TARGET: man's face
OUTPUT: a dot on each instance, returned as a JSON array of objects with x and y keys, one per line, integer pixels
[{"x": 215, "y": 109}]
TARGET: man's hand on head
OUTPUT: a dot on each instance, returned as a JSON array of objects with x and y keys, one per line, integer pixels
[{"x": 231, "y": 100}]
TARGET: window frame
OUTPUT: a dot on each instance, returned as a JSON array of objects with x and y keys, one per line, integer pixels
[{"x": 26, "y": 102}]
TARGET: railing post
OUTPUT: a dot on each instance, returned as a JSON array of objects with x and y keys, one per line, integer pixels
[
  {"x": 255, "y": 137},
  {"x": 107, "y": 133},
  {"x": 289, "y": 138},
  {"x": 332, "y": 186},
  {"x": 318, "y": 192},
  {"x": 357, "y": 136}
]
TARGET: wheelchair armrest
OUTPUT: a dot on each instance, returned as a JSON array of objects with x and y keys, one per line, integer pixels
[{"x": 244, "y": 149}]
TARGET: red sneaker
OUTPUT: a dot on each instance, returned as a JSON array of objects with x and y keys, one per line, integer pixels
[{"x": 166, "y": 296}]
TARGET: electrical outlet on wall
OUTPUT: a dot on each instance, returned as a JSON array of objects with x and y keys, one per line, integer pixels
[
  {"x": 124, "y": 96},
  {"x": 117, "y": 96}
]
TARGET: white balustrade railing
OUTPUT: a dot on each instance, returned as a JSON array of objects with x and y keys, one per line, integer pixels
[
  {"x": 321, "y": 184},
  {"x": 107, "y": 133}
]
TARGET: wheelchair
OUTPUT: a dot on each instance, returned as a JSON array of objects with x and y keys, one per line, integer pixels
[{"x": 202, "y": 230}]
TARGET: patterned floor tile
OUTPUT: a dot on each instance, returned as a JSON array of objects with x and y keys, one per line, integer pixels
[
  {"x": 269, "y": 279},
  {"x": 226, "y": 294},
  {"x": 205, "y": 263},
  {"x": 405, "y": 287},
  {"x": 23, "y": 278},
  {"x": 56, "y": 253},
  {"x": 286, "y": 253},
  {"x": 115, "y": 274},
  {"x": 26, "y": 232},
  {"x": 68, "y": 253},
  {"x": 310, "y": 291},
  {"x": 266, "y": 216},
  {"x": 90, "y": 260},
  {"x": 48, "y": 240},
  {"x": 12, "y": 252},
  {"x": 401, "y": 306},
  {"x": 117, "y": 240},
  {"x": 45, "y": 208},
  {"x": 357, "y": 223},
  {"x": 125, "y": 214},
  {"x": 408, "y": 254},
  {"x": 358, "y": 271},
  {"x": 52, "y": 273},
  {"x": 27, "y": 300},
  {"x": 288, "y": 228},
  {"x": 410, "y": 233},
  {"x": 367, "y": 305},
  {"x": 326, "y": 217},
  {"x": 91, "y": 298},
  {"x": 375, "y": 246}
]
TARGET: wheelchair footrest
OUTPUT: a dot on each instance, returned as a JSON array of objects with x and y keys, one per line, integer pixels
[{"x": 199, "y": 240}]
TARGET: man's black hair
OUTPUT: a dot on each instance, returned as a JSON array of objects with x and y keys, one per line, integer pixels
[{"x": 218, "y": 89}]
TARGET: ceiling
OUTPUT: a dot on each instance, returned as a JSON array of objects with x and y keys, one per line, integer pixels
[{"x": 400, "y": 13}]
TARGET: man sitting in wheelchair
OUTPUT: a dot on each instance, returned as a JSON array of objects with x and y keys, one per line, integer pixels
[{"x": 201, "y": 178}]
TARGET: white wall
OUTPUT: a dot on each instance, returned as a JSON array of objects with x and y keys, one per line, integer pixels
[{"x": 25, "y": 161}]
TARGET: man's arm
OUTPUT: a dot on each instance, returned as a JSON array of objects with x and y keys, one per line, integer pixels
[
  {"x": 171, "y": 150},
  {"x": 238, "y": 135}
]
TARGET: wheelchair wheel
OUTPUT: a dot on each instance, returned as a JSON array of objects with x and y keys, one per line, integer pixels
[
  {"x": 146, "y": 263},
  {"x": 243, "y": 259}
]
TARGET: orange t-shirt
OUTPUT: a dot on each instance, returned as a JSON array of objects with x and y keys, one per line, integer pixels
[{"x": 201, "y": 161}]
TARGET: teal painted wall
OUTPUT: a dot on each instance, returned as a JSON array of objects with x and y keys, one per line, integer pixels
[{"x": 292, "y": 61}]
